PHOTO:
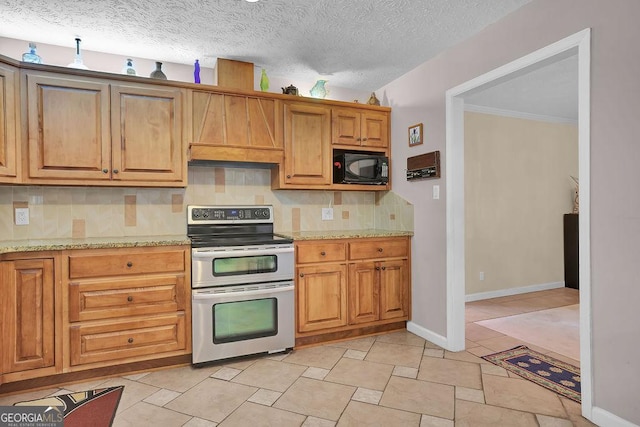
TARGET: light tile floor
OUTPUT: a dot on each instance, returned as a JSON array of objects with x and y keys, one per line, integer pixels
[{"x": 396, "y": 379}]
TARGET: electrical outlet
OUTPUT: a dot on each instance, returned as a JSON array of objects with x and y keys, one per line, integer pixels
[
  {"x": 327, "y": 214},
  {"x": 436, "y": 192},
  {"x": 22, "y": 216}
]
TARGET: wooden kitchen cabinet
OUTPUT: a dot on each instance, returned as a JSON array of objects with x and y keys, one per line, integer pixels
[
  {"x": 307, "y": 147},
  {"x": 377, "y": 287},
  {"x": 126, "y": 305},
  {"x": 28, "y": 303},
  {"x": 89, "y": 131},
  {"x": 9, "y": 124},
  {"x": 359, "y": 128},
  {"x": 235, "y": 127},
  {"x": 322, "y": 297}
]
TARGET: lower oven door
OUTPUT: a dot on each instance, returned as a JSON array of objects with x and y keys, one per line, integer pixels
[{"x": 242, "y": 320}]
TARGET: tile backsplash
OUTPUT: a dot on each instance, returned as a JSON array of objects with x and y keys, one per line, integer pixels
[{"x": 77, "y": 212}]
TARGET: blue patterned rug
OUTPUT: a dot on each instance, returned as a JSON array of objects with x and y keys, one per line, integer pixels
[{"x": 543, "y": 370}]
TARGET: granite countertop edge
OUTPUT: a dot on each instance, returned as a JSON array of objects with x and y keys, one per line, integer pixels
[
  {"x": 342, "y": 234},
  {"x": 37, "y": 245}
]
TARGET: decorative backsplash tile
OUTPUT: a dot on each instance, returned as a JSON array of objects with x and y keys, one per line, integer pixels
[{"x": 77, "y": 212}]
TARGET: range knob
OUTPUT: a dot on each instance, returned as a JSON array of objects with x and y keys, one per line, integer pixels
[
  {"x": 205, "y": 214},
  {"x": 196, "y": 213}
]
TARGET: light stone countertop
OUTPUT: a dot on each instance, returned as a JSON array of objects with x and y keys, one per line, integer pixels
[
  {"x": 343, "y": 234},
  {"x": 91, "y": 243}
]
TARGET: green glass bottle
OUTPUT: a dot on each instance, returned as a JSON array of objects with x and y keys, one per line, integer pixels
[{"x": 264, "y": 81}]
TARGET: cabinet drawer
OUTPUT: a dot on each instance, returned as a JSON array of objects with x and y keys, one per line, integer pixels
[
  {"x": 128, "y": 338},
  {"x": 116, "y": 264},
  {"x": 91, "y": 300},
  {"x": 387, "y": 248},
  {"x": 321, "y": 252}
]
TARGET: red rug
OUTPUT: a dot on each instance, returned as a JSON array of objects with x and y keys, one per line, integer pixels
[
  {"x": 541, "y": 369},
  {"x": 95, "y": 408}
]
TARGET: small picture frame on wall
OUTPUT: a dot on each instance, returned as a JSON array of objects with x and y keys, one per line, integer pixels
[{"x": 415, "y": 135}]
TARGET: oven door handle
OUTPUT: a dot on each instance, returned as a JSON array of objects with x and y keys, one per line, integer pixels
[
  {"x": 212, "y": 253},
  {"x": 206, "y": 295}
]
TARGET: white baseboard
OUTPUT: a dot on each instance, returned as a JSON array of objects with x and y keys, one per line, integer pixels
[
  {"x": 607, "y": 419},
  {"x": 513, "y": 291},
  {"x": 428, "y": 335}
]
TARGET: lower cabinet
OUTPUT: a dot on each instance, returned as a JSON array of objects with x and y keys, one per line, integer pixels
[
  {"x": 28, "y": 313},
  {"x": 344, "y": 286},
  {"x": 126, "y": 305}
]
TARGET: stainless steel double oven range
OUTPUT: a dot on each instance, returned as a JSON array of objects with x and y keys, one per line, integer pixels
[{"x": 242, "y": 283}]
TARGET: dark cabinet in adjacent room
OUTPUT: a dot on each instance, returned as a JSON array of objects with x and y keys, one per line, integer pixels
[{"x": 571, "y": 270}]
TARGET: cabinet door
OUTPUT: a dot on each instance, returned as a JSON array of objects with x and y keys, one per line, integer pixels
[
  {"x": 364, "y": 293},
  {"x": 28, "y": 314},
  {"x": 147, "y": 134},
  {"x": 375, "y": 129},
  {"x": 345, "y": 126},
  {"x": 307, "y": 159},
  {"x": 8, "y": 132},
  {"x": 68, "y": 128},
  {"x": 322, "y": 297},
  {"x": 394, "y": 292}
]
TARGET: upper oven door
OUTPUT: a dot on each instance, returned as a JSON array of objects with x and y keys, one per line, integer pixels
[{"x": 237, "y": 265}]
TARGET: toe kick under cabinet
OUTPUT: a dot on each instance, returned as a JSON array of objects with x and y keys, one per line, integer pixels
[
  {"x": 351, "y": 287},
  {"x": 126, "y": 305}
]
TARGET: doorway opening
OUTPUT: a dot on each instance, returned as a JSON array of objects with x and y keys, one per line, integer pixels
[{"x": 455, "y": 102}]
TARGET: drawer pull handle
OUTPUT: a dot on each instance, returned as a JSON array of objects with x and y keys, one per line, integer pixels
[
  {"x": 301, "y": 274},
  {"x": 380, "y": 249},
  {"x": 323, "y": 253},
  {"x": 129, "y": 264},
  {"x": 129, "y": 298},
  {"x": 130, "y": 340}
]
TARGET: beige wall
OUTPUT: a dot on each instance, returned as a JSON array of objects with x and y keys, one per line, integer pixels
[
  {"x": 517, "y": 188},
  {"x": 66, "y": 212},
  {"x": 419, "y": 97}
]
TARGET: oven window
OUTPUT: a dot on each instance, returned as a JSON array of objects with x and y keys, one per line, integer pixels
[
  {"x": 244, "y": 320},
  {"x": 245, "y": 265}
]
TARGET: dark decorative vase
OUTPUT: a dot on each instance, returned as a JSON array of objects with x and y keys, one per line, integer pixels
[{"x": 157, "y": 73}]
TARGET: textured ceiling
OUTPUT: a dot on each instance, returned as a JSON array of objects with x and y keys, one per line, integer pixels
[
  {"x": 358, "y": 44},
  {"x": 550, "y": 91}
]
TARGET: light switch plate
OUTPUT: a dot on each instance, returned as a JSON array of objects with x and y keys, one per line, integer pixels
[
  {"x": 436, "y": 192},
  {"x": 22, "y": 216},
  {"x": 327, "y": 214}
]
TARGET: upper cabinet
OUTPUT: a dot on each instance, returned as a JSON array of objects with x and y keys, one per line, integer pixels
[
  {"x": 359, "y": 128},
  {"x": 235, "y": 127},
  {"x": 9, "y": 134},
  {"x": 85, "y": 131},
  {"x": 307, "y": 148}
]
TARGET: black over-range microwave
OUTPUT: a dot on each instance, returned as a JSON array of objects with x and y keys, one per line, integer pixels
[{"x": 360, "y": 168}]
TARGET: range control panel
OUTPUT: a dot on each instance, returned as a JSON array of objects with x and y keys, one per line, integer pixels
[{"x": 222, "y": 214}]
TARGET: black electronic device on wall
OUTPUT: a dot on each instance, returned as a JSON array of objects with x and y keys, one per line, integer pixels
[{"x": 423, "y": 166}]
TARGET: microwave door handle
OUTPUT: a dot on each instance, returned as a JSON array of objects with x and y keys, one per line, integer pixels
[{"x": 208, "y": 253}]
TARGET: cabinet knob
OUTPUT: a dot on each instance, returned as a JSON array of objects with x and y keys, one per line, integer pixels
[
  {"x": 288, "y": 176},
  {"x": 301, "y": 274},
  {"x": 384, "y": 268},
  {"x": 380, "y": 249},
  {"x": 358, "y": 139},
  {"x": 129, "y": 298},
  {"x": 364, "y": 139},
  {"x": 105, "y": 170},
  {"x": 323, "y": 253},
  {"x": 130, "y": 340},
  {"x": 378, "y": 268},
  {"x": 116, "y": 171},
  {"x": 129, "y": 264}
]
